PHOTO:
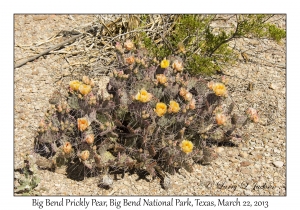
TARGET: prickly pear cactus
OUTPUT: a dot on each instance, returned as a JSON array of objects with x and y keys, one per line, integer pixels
[{"x": 157, "y": 118}]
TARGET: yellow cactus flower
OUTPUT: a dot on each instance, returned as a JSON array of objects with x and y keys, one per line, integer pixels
[
  {"x": 74, "y": 85},
  {"x": 219, "y": 89},
  {"x": 161, "y": 109},
  {"x": 186, "y": 146},
  {"x": 85, "y": 89},
  {"x": 84, "y": 155},
  {"x": 129, "y": 60},
  {"x": 67, "y": 147},
  {"x": 177, "y": 66},
  {"x": 82, "y": 124},
  {"x": 128, "y": 45},
  {"x": 143, "y": 96},
  {"x": 164, "y": 63},
  {"x": 220, "y": 119},
  {"x": 90, "y": 138},
  {"x": 173, "y": 107},
  {"x": 161, "y": 78}
]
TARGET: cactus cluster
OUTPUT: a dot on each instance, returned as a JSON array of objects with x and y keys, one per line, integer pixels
[{"x": 156, "y": 117}]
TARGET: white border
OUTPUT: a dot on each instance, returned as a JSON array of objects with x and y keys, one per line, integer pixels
[{"x": 154, "y": 6}]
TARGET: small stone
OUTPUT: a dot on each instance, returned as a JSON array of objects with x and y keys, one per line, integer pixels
[
  {"x": 66, "y": 72},
  {"x": 278, "y": 164},
  {"x": 277, "y": 151},
  {"x": 267, "y": 154},
  {"x": 258, "y": 156},
  {"x": 233, "y": 160},
  {"x": 243, "y": 154},
  {"x": 245, "y": 171},
  {"x": 245, "y": 149},
  {"x": 273, "y": 86},
  {"x": 40, "y": 17},
  {"x": 248, "y": 192},
  {"x": 257, "y": 166},
  {"x": 245, "y": 163},
  {"x": 27, "y": 99},
  {"x": 219, "y": 150},
  {"x": 126, "y": 183},
  {"x": 23, "y": 117},
  {"x": 107, "y": 181},
  {"x": 35, "y": 72},
  {"x": 41, "y": 69}
]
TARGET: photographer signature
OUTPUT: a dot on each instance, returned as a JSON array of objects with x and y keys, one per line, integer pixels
[{"x": 233, "y": 187}]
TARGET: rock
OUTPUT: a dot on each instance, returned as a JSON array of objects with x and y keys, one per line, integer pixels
[
  {"x": 273, "y": 86},
  {"x": 258, "y": 156},
  {"x": 278, "y": 164},
  {"x": 277, "y": 151},
  {"x": 126, "y": 183},
  {"x": 40, "y": 17},
  {"x": 41, "y": 69},
  {"x": 257, "y": 166},
  {"x": 245, "y": 171},
  {"x": 243, "y": 154},
  {"x": 248, "y": 192},
  {"x": 219, "y": 150},
  {"x": 23, "y": 117},
  {"x": 35, "y": 72},
  {"x": 245, "y": 163},
  {"x": 233, "y": 160},
  {"x": 66, "y": 72}
]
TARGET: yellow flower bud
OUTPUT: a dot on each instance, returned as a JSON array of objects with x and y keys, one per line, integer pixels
[
  {"x": 177, "y": 66},
  {"x": 161, "y": 78},
  {"x": 192, "y": 104},
  {"x": 84, "y": 155},
  {"x": 86, "y": 80},
  {"x": 129, "y": 60},
  {"x": 82, "y": 124},
  {"x": 128, "y": 45},
  {"x": 90, "y": 138},
  {"x": 220, "y": 119},
  {"x": 67, "y": 147}
]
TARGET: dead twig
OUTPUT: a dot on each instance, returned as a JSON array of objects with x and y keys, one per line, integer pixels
[{"x": 48, "y": 50}]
